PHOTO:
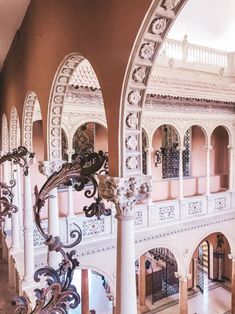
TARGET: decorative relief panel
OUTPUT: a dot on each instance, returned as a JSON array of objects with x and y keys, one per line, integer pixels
[
  {"x": 62, "y": 79},
  {"x": 38, "y": 240},
  {"x": 132, "y": 142},
  {"x": 220, "y": 203},
  {"x": 158, "y": 26},
  {"x": 139, "y": 74},
  {"x": 134, "y": 97},
  {"x": 93, "y": 226},
  {"x": 147, "y": 51},
  {"x": 132, "y": 120},
  {"x": 195, "y": 208},
  {"x": 5, "y": 136},
  {"x": 167, "y": 212},
  {"x": 138, "y": 218}
]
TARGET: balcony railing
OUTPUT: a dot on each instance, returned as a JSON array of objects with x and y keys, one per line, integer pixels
[{"x": 185, "y": 51}]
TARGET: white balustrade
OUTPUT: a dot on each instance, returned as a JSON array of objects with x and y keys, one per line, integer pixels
[{"x": 183, "y": 50}]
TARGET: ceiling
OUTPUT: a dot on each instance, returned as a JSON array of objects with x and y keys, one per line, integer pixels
[{"x": 12, "y": 13}]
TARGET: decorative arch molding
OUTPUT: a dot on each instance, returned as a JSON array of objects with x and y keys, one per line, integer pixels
[
  {"x": 5, "y": 134},
  {"x": 56, "y": 102},
  {"x": 157, "y": 22},
  {"x": 227, "y": 129},
  {"x": 14, "y": 129},
  {"x": 205, "y": 235},
  {"x": 175, "y": 127},
  {"x": 202, "y": 127},
  {"x": 174, "y": 251},
  {"x": 28, "y": 112}
]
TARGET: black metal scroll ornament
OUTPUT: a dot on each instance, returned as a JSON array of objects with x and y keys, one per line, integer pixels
[
  {"x": 19, "y": 156},
  {"x": 96, "y": 208},
  {"x": 60, "y": 295}
]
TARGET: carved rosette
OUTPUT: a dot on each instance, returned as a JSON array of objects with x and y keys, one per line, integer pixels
[
  {"x": 132, "y": 163},
  {"x": 28, "y": 119},
  {"x": 132, "y": 142},
  {"x": 158, "y": 26},
  {"x": 139, "y": 74},
  {"x": 132, "y": 120},
  {"x": 147, "y": 51},
  {"x": 149, "y": 41},
  {"x": 56, "y": 103},
  {"x": 171, "y": 4},
  {"x": 134, "y": 97},
  {"x": 124, "y": 193},
  {"x": 49, "y": 167}
]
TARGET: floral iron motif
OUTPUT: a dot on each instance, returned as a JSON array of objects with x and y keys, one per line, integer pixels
[
  {"x": 60, "y": 295},
  {"x": 19, "y": 156},
  {"x": 6, "y": 199}
]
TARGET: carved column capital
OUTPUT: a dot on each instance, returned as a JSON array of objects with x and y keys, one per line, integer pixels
[
  {"x": 124, "y": 193},
  {"x": 232, "y": 256},
  {"x": 49, "y": 167},
  {"x": 182, "y": 277},
  {"x": 70, "y": 151},
  {"x": 149, "y": 149}
]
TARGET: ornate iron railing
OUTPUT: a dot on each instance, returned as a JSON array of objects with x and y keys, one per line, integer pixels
[{"x": 60, "y": 295}]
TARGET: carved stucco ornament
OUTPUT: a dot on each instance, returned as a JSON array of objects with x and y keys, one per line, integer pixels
[
  {"x": 132, "y": 163},
  {"x": 131, "y": 142},
  {"x": 134, "y": 97},
  {"x": 123, "y": 192},
  {"x": 158, "y": 26},
  {"x": 139, "y": 74},
  {"x": 171, "y": 4},
  {"x": 132, "y": 120},
  {"x": 147, "y": 51}
]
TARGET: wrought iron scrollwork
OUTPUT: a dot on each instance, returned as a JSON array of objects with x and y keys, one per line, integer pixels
[
  {"x": 6, "y": 200},
  {"x": 60, "y": 295},
  {"x": 94, "y": 164},
  {"x": 19, "y": 156}
]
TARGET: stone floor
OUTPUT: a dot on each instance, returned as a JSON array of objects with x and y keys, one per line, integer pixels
[{"x": 6, "y": 293}]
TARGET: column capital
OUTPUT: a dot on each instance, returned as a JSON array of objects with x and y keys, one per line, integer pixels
[
  {"x": 149, "y": 149},
  {"x": 232, "y": 256},
  {"x": 49, "y": 167},
  {"x": 182, "y": 277},
  {"x": 70, "y": 151},
  {"x": 124, "y": 193},
  {"x": 208, "y": 147}
]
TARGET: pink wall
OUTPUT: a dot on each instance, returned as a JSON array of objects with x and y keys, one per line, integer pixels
[
  {"x": 195, "y": 184},
  {"x": 101, "y": 138}
]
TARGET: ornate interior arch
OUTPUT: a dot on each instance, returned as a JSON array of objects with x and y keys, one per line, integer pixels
[
  {"x": 28, "y": 112},
  {"x": 5, "y": 134},
  {"x": 56, "y": 102},
  {"x": 227, "y": 129},
  {"x": 14, "y": 129},
  {"x": 157, "y": 22},
  {"x": 202, "y": 127}
]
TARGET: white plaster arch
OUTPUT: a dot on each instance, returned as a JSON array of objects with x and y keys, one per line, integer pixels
[
  {"x": 202, "y": 127},
  {"x": 31, "y": 100},
  {"x": 180, "y": 134},
  {"x": 227, "y": 129},
  {"x": 205, "y": 235},
  {"x": 5, "y": 134},
  {"x": 56, "y": 103},
  {"x": 103, "y": 272},
  {"x": 163, "y": 244},
  {"x": 153, "y": 31},
  {"x": 14, "y": 129}
]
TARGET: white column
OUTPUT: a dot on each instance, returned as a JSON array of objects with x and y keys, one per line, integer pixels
[
  {"x": 15, "y": 219},
  {"x": 70, "y": 152},
  {"x": 232, "y": 257},
  {"x": 47, "y": 168},
  {"x": 208, "y": 183},
  {"x": 150, "y": 162},
  {"x": 195, "y": 266},
  {"x": 28, "y": 232},
  {"x": 183, "y": 292},
  {"x": 20, "y": 200},
  {"x": 6, "y": 176},
  {"x": 123, "y": 192},
  {"x": 181, "y": 174},
  {"x": 231, "y": 151}
]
